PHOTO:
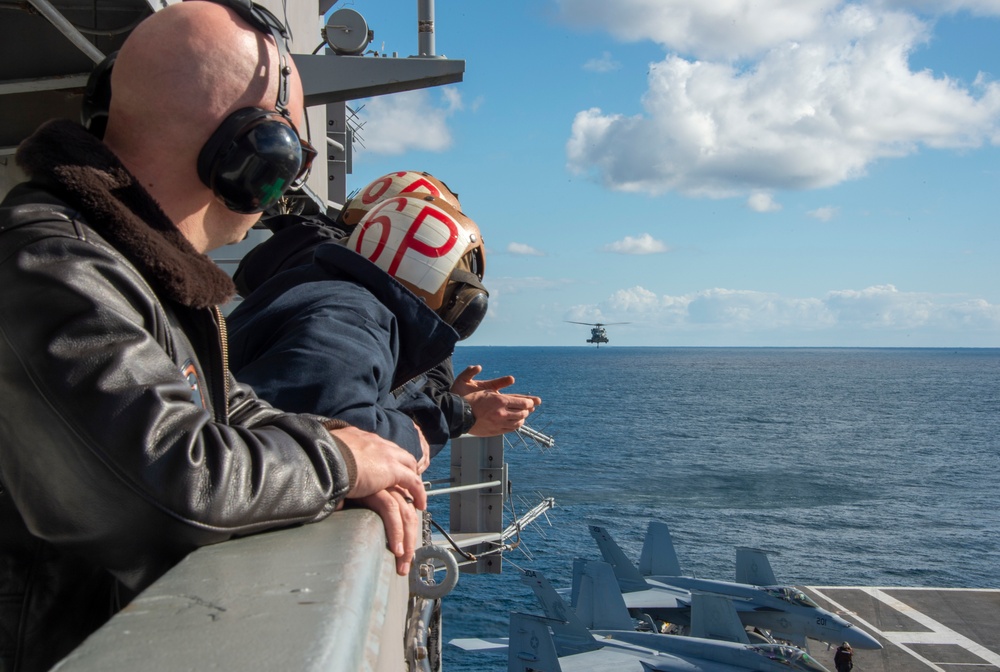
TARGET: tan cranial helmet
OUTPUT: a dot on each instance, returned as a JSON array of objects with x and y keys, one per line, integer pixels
[
  {"x": 401, "y": 183},
  {"x": 423, "y": 242}
]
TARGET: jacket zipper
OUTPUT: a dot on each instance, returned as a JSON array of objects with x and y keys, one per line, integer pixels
[
  {"x": 223, "y": 332},
  {"x": 396, "y": 390}
]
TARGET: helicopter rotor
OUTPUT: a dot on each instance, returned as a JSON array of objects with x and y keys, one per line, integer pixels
[{"x": 597, "y": 324}]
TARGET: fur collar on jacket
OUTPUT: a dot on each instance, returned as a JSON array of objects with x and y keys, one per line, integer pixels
[{"x": 81, "y": 170}]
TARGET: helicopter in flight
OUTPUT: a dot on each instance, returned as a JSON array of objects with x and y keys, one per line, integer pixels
[{"x": 598, "y": 334}]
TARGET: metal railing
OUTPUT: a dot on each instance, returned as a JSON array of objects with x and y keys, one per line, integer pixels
[{"x": 317, "y": 597}]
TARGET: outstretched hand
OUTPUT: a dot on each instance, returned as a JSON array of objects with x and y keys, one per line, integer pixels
[
  {"x": 496, "y": 413},
  {"x": 465, "y": 384}
]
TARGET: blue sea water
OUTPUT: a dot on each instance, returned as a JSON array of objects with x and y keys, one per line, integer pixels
[{"x": 849, "y": 466}]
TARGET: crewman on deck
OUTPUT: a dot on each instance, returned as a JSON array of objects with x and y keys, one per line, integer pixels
[{"x": 843, "y": 659}]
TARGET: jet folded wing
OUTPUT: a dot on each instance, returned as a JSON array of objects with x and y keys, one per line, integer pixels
[
  {"x": 656, "y": 599},
  {"x": 477, "y": 644}
]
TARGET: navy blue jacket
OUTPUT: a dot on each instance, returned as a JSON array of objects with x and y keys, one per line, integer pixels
[{"x": 337, "y": 337}]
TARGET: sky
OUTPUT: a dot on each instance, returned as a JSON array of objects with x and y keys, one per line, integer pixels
[{"x": 730, "y": 173}]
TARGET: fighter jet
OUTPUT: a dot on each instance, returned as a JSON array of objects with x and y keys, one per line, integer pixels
[
  {"x": 784, "y": 611},
  {"x": 562, "y": 642}
]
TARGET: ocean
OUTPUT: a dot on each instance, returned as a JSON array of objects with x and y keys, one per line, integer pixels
[{"x": 849, "y": 466}]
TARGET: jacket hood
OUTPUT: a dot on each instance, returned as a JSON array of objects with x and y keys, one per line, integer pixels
[
  {"x": 81, "y": 170},
  {"x": 294, "y": 241},
  {"x": 425, "y": 339}
]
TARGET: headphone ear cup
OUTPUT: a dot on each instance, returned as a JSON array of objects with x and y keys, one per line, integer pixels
[
  {"x": 465, "y": 303},
  {"x": 221, "y": 141},
  {"x": 250, "y": 160},
  {"x": 466, "y": 310}
]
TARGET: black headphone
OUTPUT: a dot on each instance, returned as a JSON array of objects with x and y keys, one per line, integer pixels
[
  {"x": 97, "y": 97},
  {"x": 465, "y": 303},
  {"x": 255, "y": 155}
]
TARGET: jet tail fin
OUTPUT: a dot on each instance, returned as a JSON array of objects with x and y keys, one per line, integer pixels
[
  {"x": 714, "y": 617},
  {"x": 599, "y": 604},
  {"x": 628, "y": 576},
  {"x": 658, "y": 556},
  {"x": 531, "y": 646},
  {"x": 753, "y": 567},
  {"x": 553, "y": 604}
]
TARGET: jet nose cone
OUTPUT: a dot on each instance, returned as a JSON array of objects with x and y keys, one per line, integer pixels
[{"x": 859, "y": 639}]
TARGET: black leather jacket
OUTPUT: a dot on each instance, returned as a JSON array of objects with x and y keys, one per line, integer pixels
[{"x": 124, "y": 441}]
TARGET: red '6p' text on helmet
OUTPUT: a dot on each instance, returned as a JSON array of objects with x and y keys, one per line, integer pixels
[
  {"x": 420, "y": 241},
  {"x": 401, "y": 183}
]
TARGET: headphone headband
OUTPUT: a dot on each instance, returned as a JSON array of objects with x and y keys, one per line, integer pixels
[
  {"x": 262, "y": 20},
  {"x": 97, "y": 96}
]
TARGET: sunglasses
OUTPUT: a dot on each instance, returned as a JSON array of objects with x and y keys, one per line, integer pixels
[{"x": 309, "y": 153}]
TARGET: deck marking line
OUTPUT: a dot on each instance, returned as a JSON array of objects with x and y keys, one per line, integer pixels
[
  {"x": 948, "y": 635},
  {"x": 941, "y": 634},
  {"x": 913, "y": 589},
  {"x": 921, "y": 637},
  {"x": 871, "y": 628}
]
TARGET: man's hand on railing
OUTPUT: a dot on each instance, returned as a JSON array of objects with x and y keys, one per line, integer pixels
[
  {"x": 402, "y": 524},
  {"x": 381, "y": 465},
  {"x": 388, "y": 483}
]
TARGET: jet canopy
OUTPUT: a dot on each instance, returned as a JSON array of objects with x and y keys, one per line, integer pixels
[
  {"x": 791, "y": 595},
  {"x": 792, "y": 656}
]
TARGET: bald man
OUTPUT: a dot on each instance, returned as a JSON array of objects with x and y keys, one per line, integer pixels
[{"x": 124, "y": 441}]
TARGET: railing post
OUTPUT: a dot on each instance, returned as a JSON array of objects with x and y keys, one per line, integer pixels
[{"x": 478, "y": 511}]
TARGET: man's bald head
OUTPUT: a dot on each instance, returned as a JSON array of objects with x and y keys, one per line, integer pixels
[
  {"x": 179, "y": 74},
  {"x": 184, "y": 69}
]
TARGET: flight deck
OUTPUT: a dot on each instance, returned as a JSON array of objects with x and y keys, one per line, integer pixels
[{"x": 921, "y": 629}]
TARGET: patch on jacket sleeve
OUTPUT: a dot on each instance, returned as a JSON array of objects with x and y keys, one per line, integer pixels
[{"x": 190, "y": 373}]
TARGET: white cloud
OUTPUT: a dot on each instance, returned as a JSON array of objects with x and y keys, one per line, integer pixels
[
  {"x": 874, "y": 312},
  {"x": 824, "y": 90},
  {"x": 526, "y": 250},
  {"x": 824, "y": 214},
  {"x": 762, "y": 201},
  {"x": 727, "y": 29},
  {"x": 733, "y": 29},
  {"x": 755, "y": 310},
  {"x": 644, "y": 244},
  {"x": 584, "y": 315},
  {"x": 978, "y": 7},
  {"x": 389, "y": 121},
  {"x": 476, "y": 103},
  {"x": 452, "y": 99},
  {"x": 603, "y": 64}
]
